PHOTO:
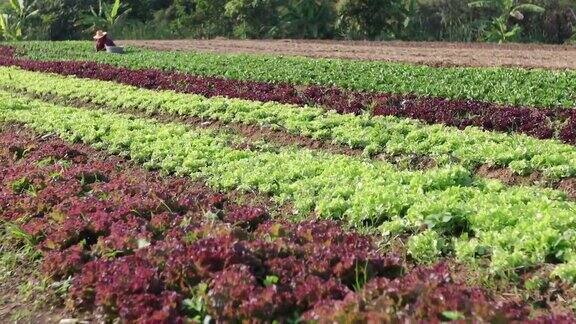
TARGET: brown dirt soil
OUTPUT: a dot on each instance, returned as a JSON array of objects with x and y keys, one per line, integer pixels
[
  {"x": 24, "y": 297},
  {"x": 508, "y": 177},
  {"x": 428, "y": 53},
  {"x": 14, "y": 309}
]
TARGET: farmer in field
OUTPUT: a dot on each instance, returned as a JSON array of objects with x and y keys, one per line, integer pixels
[{"x": 102, "y": 40}]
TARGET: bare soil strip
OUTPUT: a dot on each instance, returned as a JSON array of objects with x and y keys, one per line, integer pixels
[{"x": 428, "y": 53}]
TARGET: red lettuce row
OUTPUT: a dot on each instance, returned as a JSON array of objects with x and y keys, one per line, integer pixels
[
  {"x": 151, "y": 248},
  {"x": 538, "y": 122},
  {"x": 7, "y": 51}
]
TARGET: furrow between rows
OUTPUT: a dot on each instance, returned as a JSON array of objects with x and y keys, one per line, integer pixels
[
  {"x": 516, "y": 159},
  {"x": 254, "y": 136},
  {"x": 479, "y": 221}
]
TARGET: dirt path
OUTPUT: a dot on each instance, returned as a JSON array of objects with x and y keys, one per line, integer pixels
[{"x": 435, "y": 54}]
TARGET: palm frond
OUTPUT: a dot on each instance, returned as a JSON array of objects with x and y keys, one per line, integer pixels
[
  {"x": 528, "y": 7},
  {"x": 115, "y": 8},
  {"x": 15, "y": 5},
  {"x": 481, "y": 4}
]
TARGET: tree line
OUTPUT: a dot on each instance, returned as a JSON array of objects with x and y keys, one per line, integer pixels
[{"x": 543, "y": 21}]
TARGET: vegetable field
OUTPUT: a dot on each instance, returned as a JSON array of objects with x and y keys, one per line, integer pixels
[{"x": 183, "y": 187}]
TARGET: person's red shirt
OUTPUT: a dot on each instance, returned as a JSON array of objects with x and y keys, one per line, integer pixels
[{"x": 103, "y": 42}]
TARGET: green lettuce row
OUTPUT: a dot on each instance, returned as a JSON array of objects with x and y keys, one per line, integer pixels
[
  {"x": 513, "y": 227},
  {"x": 392, "y": 135},
  {"x": 514, "y": 86}
]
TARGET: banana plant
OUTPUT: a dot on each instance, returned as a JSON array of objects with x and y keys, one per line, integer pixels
[
  {"x": 12, "y": 24},
  {"x": 23, "y": 10},
  {"x": 9, "y": 28},
  {"x": 388, "y": 19},
  {"x": 507, "y": 8},
  {"x": 499, "y": 31},
  {"x": 310, "y": 18},
  {"x": 105, "y": 16}
]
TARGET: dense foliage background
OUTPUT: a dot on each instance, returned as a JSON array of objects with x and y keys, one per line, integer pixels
[{"x": 547, "y": 21}]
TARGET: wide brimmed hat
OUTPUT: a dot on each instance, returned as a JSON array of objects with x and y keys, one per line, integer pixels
[{"x": 99, "y": 34}]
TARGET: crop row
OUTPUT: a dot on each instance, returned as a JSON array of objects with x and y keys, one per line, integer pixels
[
  {"x": 499, "y": 85},
  {"x": 509, "y": 227},
  {"x": 536, "y": 122},
  {"x": 375, "y": 135},
  {"x": 145, "y": 247}
]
